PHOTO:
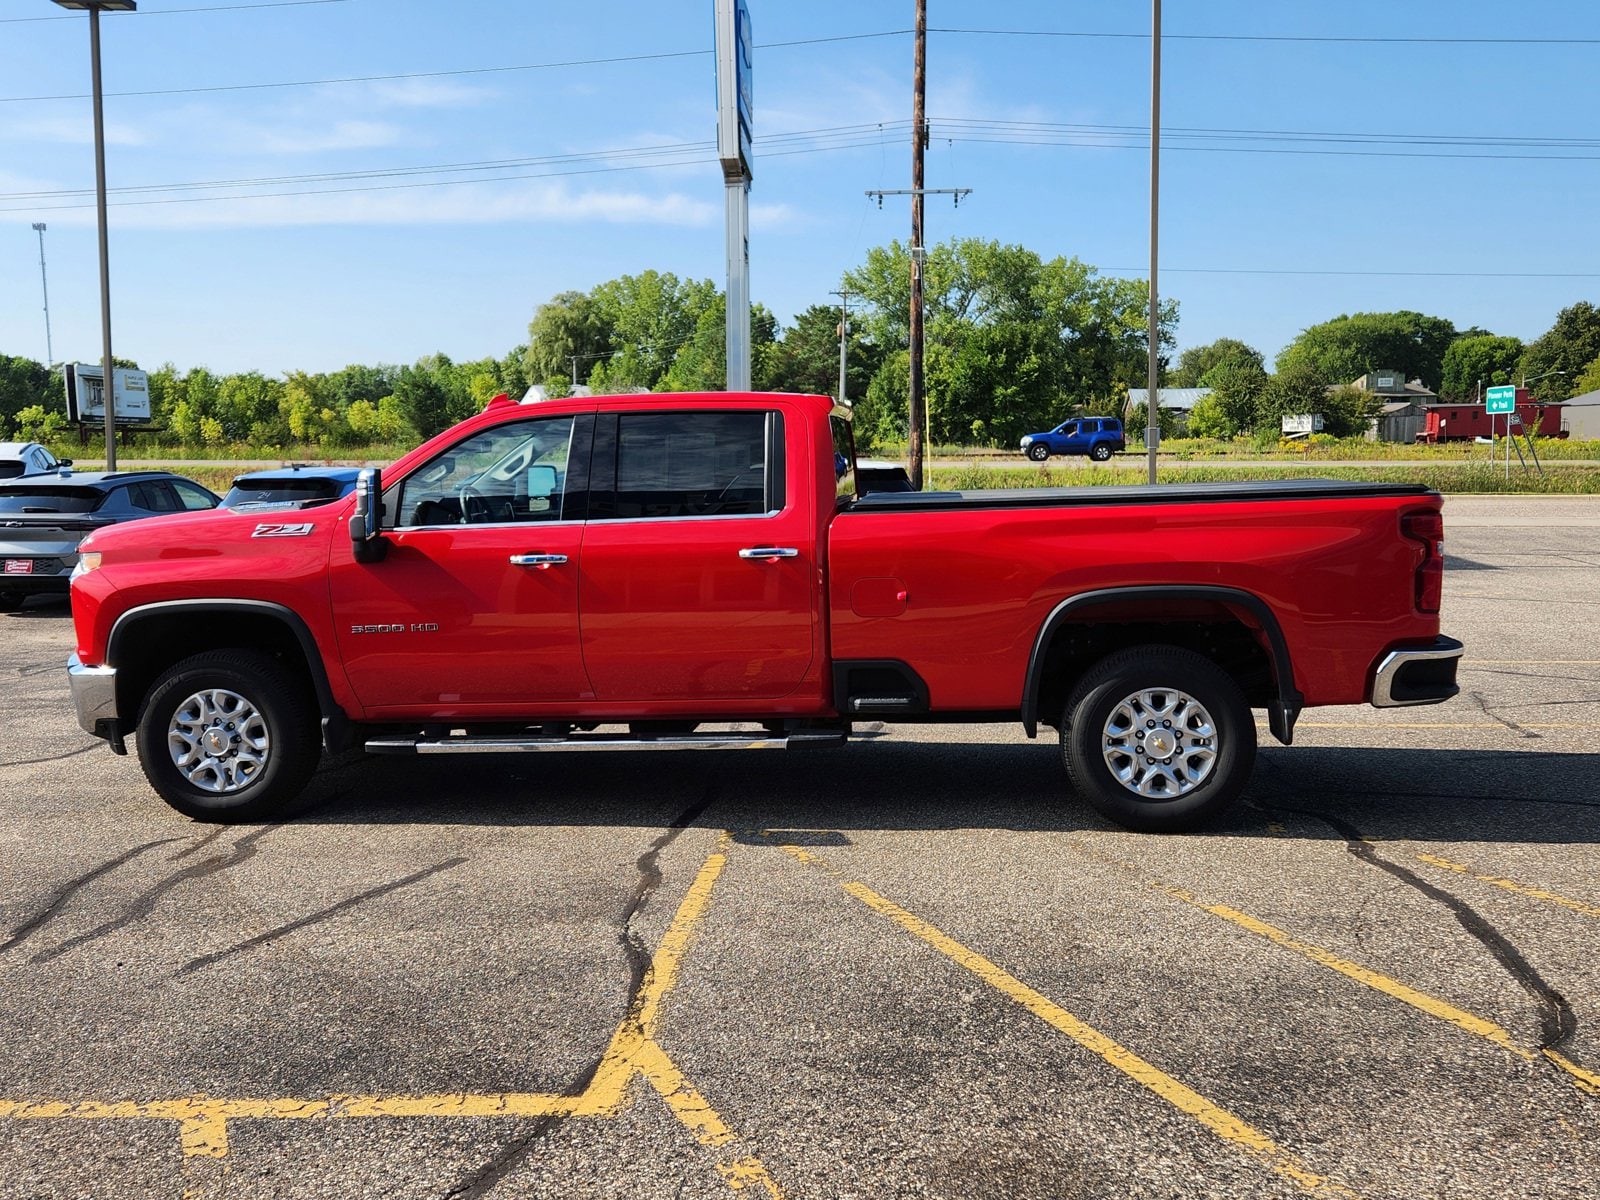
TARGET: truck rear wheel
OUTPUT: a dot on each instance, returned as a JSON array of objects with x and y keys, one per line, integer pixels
[
  {"x": 1158, "y": 739},
  {"x": 229, "y": 735},
  {"x": 1101, "y": 451}
]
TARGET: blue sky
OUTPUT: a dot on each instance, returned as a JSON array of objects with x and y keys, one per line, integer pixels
[{"x": 1301, "y": 178}]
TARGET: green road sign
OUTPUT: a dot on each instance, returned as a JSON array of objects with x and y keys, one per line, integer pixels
[{"x": 1501, "y": 399}]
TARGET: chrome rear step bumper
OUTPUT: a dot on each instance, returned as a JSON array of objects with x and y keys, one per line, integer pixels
[{"x": 1417, "y": 675}]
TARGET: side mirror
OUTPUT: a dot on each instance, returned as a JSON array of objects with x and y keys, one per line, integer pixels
[{"x": 365, "y": 540}]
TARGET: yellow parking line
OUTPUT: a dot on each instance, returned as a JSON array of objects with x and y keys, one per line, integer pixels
[
  {"x": 1578, "y": 906},
  {"x": 1433, "y": 1006},
  {"x": 203, "y": 1120},
  {"x": 1433, "y": 725},
  {"x": 1221, "y": 1122}
]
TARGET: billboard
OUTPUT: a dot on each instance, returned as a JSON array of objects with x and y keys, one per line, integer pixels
[{"x": 86, "y": 394}]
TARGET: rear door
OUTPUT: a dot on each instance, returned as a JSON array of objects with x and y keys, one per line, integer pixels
[{"x": 700, "y": 559}]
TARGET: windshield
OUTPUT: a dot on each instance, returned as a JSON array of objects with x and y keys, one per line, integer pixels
[{"x": 50, "y": 500}]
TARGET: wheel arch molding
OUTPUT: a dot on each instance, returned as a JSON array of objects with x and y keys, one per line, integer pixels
[
  {"x": 148, "y": 638},
  {"x": 1285, "y": 701}
]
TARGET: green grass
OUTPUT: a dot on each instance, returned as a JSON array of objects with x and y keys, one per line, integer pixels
[{"x": 1476, "y": 478}]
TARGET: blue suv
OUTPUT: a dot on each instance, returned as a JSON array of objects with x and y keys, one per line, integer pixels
[{"x": 1098, "y": 437}]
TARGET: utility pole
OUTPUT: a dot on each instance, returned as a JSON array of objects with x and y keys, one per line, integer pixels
[
  {"x": 919, "y": 252},
  {"x": 44, "y": 282},
  {"x": 1152, "y": 433},
  {"x": 844, "y": 295},
  {"x": 574, "y": 358}
]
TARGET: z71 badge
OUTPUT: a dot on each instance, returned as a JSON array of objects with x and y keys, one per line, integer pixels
[{"x": 300, "y": 529}]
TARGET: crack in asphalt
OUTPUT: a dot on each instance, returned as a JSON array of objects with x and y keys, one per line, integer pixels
[
  {"x": 1557, "y": 1022},
  {"x": 1483, "y": 707},
  {"x": 67, "y": 890},
  {"x": 333, "y": 910},
  {"x": 144, "y": 904},
  {"x": 28, "y": 762},
  {"x": 482, "y": 1181}
]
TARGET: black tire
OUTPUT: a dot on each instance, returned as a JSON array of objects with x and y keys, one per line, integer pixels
[
  {"x": 1038, "y": 452},
  {"x": 1101, "y": 451},
  {"x": 11, "y": 601},
  {"x": 243, "y": 782},
  {"x": 1127, "y": 690}
]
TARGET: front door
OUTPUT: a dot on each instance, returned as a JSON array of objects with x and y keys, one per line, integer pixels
[
  {"x": 473, "y": 611},
  {"x": 678, "y": 601}
]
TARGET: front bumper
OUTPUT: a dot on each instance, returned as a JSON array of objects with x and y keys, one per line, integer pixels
[
  {"x": 94, "y": 695},
  {"x": 1417, "y": 675}
]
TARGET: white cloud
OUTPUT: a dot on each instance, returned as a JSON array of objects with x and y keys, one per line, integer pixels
[
  {"x": 73, "y": 131},
  {"x": 426, "y": 93},
  {"x": 341, "y": 135},
  {"x": 555, "y": 204}
]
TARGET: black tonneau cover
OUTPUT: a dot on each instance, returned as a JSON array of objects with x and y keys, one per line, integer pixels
[{"x": 1161, "y": 493}]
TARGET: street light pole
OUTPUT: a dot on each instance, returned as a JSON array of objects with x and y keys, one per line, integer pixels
[
  {"x": 107, "y": 378},
  {"x": 44, "y": 282}
]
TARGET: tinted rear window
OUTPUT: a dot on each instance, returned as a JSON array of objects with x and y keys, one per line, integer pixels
[
  {"x": 10, "y": 470},
  {"x": 281, "y": 491},
  {"x": 56, "y": 500}
]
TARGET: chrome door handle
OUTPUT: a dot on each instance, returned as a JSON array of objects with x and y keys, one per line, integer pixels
[
  {"x": 770, "y": 553},
  {"x": 543, "y": 561}
]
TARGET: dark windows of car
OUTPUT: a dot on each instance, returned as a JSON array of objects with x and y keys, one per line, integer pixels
[
  {"x": 153, "y": 496},
  {"x": 12, "y": 468},
  {"x": 509, "y": 473},
  {"x": 690, "y": 464},
  {"x": 299, "y": 491},
  {"x": 24, "y": 499}
]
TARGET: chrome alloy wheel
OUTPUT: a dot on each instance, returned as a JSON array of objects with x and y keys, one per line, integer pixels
[
  {"x": 1160, "y": 743},
  {"x": 219, "y": 741}
]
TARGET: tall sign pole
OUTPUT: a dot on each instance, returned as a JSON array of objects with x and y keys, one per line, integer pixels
[
  {"x": 919, "y": 142},
  {"x": 1152, "y": 433},
  {"x": 734, "y": 124},
  {"x": 44, "y": 282}
]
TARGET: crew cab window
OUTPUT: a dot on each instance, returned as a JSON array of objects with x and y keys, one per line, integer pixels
[
  {"x": 508, "y": 474},
  {"x": 696, "y": 464}
]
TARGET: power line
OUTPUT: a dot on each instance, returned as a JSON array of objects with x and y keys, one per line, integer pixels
[
  {"x": 164, "y": 12},
  {"x": 1264, "y": 37},
  {"x": 1361, "y": 274}
]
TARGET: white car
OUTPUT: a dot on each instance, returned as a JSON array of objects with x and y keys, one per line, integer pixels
[{"x": 28, "y": 458}]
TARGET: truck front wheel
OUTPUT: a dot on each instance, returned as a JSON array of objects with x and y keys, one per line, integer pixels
[
  {"x": 1038, "y": 452},
  {"x": 1158, "y": 739},
  {"x": 229, "y": 735}
]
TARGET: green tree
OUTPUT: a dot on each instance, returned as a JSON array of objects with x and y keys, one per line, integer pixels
[
  {"x": 650, "y": 316},
  {"x": 1296, "y": 390},
  {"x": 1589, "y": 380},
  {"x": 1012, "y": 340},
  {"x": 1198, "y": 361},
  {"x": 1237, "y": 386},
  {"x": 1349, "y": 346},
  {"x": 806, "y": 358},
  {"x": 24, "y": 383},
  {"x": 1568, "y": 346},
  {"x": 1207, "y": 420},
  {"x": 1481, "y": 358},
  {"x": 1347, "y": 411},
  {"x": 568, "y": 326},
  {"x": 433, "y": 395},
  {"x": 244, "y": 401}
]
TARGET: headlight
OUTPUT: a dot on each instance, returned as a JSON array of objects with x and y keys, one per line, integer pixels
[
  {"x": 88, "y": 561},
  {"x": 1027, "y": 441}
]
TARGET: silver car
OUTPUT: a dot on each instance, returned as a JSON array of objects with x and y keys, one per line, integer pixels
[{"x": 28, "y": 458}]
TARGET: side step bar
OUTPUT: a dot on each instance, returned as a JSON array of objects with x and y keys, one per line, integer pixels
[{"x": 805, "y": 739}]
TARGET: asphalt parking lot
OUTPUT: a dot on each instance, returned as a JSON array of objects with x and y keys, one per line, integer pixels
[{"x": 913, "y": 968}]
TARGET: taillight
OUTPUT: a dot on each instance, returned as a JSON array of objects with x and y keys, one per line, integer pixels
[{"x": 1426, "y": 527}]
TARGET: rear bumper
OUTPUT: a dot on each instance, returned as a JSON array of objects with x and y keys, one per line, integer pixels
[
  {"x": 1417, "y": 674},
  {"x": 94, "y": 695}
]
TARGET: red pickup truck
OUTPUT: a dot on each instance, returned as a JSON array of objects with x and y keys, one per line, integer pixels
[{"x": 676, "y": 571}]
